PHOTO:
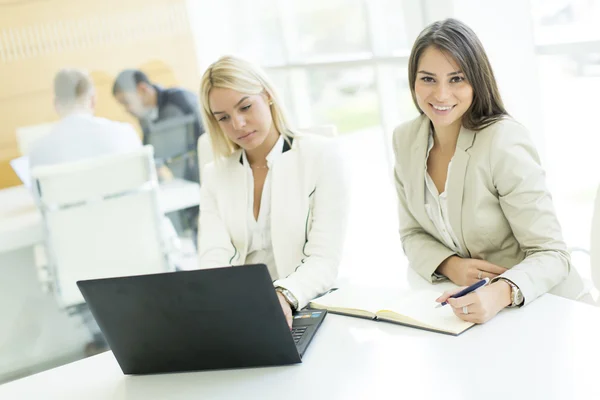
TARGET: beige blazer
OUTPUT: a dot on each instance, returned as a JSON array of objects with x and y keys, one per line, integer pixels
[
  {"x": 499, "y": 205},
  {"x": 309, "y": 207}
]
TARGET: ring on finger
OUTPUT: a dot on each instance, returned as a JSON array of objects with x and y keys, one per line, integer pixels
[
  {"x": 465, "y": 310},
  {"x": 479, "y": 275}
]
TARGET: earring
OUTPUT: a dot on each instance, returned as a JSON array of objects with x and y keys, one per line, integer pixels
[{"x": 270, "y": 103}]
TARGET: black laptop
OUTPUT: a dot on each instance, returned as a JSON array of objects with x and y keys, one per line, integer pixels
[{"x": 197, "y": 320}]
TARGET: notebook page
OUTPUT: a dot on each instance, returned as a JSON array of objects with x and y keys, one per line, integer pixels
[
  {"x": 354, "y": 298},
  {"x": 420, "y": 306}
]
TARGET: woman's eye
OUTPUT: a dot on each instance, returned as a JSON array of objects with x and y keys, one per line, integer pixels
[
  {"x": 427, "y": 79},
  {"x": 457, "y": 79},
  {"x": 223, "y": 118},
  {"x": 245, "y": 108}
]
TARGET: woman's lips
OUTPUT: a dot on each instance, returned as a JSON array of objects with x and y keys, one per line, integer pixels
[
  {"x": 442, "y": 110},
  {"x": 246, "y": 136}
]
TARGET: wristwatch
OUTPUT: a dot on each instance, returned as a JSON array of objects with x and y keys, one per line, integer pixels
[
  {"x": 516, "y": 295},
  {"x": 288, "y": 296}
]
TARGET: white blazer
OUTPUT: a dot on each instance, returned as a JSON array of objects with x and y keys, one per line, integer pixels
[{"x": 309, "y": 207}]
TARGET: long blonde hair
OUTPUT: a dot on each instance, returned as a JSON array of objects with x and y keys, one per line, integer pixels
[{"x": 233, "y": 73}]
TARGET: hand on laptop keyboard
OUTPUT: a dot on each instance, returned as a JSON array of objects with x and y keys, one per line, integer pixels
[{"x": 287, "y": 310}]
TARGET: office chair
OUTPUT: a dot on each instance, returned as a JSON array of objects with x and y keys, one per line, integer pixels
[
  {"x": 175, "y": 147},
  {"x": 102, "y": 218}
]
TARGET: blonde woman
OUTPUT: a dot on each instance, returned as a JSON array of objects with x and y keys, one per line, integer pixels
[
  {"x": 272, "y": 195},
  {"x": 473, "y": 201}
]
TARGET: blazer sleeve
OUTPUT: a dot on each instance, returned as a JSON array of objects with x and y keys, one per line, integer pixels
[
  {"x": 215, "y": 248},
  {"x": 323, "y": 248},
  {"x": 424, "y": 252},
  {"x": 527, "y": 204}
]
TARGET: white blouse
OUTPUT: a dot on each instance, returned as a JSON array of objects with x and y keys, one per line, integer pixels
[
  {"x": 260, "y": 248},
  {"x": 436, "y": 206}
]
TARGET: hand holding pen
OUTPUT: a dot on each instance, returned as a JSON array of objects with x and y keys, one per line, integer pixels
[
  {"x": 466, "y": 291},
  {"x": 479, "y": 302}
]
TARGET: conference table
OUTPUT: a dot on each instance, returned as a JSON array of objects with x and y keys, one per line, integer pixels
[
  {"x": 546, "y": 350},
  {"x": 21, "y": 222},
  {"x": 34, "y": 332}
]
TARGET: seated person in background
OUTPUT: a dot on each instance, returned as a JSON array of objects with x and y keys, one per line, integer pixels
[
  {"x": 79, "y": 134},
  {"x": 272, "y": 196},
  {"x": 473, "y": 201},
  {"x": 171, "y": 122}
]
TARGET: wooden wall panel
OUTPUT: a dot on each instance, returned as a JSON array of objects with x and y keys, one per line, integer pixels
[{"x": 37, "y": 38}]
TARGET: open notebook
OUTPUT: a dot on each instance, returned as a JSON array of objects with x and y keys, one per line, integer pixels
[{"x": 405, "y": 307}]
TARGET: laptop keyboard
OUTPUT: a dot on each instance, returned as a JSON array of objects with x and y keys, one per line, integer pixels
[{"x": 297, "y": 333}]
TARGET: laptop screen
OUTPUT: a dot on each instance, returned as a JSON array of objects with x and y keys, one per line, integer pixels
[{"x": 21, "y": 167}]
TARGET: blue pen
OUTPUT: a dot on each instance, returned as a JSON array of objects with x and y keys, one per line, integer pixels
[{"x": 467, "y": 290}]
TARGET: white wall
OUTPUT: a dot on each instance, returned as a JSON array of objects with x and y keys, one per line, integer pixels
[{"x": 214, "y": 17}]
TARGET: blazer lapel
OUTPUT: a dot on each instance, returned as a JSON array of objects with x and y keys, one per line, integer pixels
[
  {"x": 456, "y": 182},
  {"x": 282, "y": 179},
  {"x": 239, "y": 207},
  {"x": 419, "y": 154},
  {"x": 286, "y": 201}
]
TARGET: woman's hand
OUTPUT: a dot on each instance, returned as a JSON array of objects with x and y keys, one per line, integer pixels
[
  {"x": 481, "y": 305},
  {"x": 287, "y": 309},
  {"x": 467, "y": 271}
]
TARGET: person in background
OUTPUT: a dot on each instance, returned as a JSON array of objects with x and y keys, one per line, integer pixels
[
  {"x": 473, "y": 201},
  {"x": 272, "y": 195},
  {"x": 79, "y": 135},
  {"x": 170, "y": 121}
]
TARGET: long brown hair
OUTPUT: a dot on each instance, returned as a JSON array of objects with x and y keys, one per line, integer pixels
[{"x": 456, "y": 39}]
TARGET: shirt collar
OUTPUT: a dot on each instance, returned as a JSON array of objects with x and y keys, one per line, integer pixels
[
  {"x": 429, "y": 144},
  {"x": 273, "y": 155}
]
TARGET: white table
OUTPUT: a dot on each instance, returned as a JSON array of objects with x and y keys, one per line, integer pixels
[
  {"x": 547, "y": 350},
  {"x": 21, "y": 222}
]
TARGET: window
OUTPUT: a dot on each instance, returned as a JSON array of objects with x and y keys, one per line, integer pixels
[
  {"x": 566, "y": 21},
  {"x": 341, "y": 62},
  {"x": 334, "y": 59},
  {"x": 325, "y": 29},
  {"x": 568, "y": 51}
]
